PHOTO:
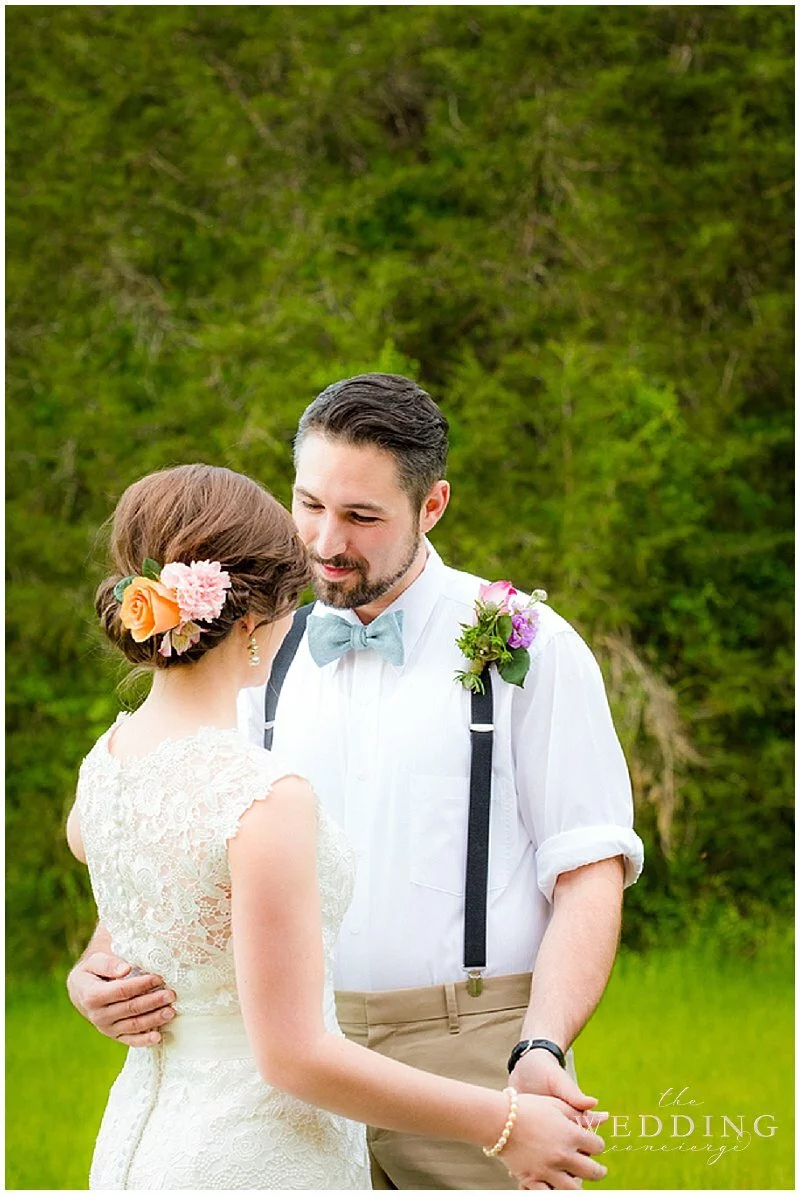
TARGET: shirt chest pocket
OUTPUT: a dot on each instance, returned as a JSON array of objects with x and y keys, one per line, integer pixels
[{"x": 438, "y": 833}]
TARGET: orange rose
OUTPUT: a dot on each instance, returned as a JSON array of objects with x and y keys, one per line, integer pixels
[{"x": 148, "y": 608}]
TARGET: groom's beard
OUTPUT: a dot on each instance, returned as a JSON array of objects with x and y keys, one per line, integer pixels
[{"x": 360, "y": 590}]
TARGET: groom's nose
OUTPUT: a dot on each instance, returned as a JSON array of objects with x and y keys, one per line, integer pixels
[{"x": 331, "y": 539}]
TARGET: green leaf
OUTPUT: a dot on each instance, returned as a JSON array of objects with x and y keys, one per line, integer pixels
[
  {"x": 504, "y": 627},
  {"x": 121, "y": 586},
  {"x": 516, "y": 668},
  {"x": 150, "y": 569}
]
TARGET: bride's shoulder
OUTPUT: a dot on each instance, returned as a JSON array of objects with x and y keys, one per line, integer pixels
[
  {"x": 99, "y": 752},
  {"x": 242, "y": 775},
  {"x": 232, "y": 753}
]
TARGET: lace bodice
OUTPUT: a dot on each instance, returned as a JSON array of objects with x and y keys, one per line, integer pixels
[
  {"x": 155, "y": 831},
  {"x": 194, "y": 1113}
]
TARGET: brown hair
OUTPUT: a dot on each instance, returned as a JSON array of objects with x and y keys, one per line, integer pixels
[{"x": 202, "y": 512}]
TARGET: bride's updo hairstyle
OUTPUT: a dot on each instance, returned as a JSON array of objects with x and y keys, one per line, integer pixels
[{"x": 202, "y": 512}]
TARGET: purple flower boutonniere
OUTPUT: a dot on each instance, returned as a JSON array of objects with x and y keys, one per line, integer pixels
[{"x": 503, "y": 631}]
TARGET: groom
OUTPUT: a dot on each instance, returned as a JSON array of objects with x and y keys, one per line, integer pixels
[{"x": 371, "y": 714}]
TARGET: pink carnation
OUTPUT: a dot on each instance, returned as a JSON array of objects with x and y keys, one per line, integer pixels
[
  {"x": 498, "y": 593},
  {"x": 200, "y": 588}
]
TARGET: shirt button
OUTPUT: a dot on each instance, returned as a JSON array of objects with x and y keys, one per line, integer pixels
[{"x": 356, "y": 929}]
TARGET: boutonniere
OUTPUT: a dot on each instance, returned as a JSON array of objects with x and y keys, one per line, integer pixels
[{"x": 503, "y": 630}]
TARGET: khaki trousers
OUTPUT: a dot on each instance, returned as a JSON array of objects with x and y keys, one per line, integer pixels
[{"x": 445, "y": 1030}]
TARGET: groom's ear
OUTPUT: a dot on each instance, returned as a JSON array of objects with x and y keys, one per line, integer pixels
[{"x": 434, "y": 505}]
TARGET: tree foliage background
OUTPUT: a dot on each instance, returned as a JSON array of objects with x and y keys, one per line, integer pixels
[{"x": 572, "y": 224}]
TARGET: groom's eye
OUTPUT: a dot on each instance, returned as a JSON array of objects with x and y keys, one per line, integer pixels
[{"x": 363, "y": 518}]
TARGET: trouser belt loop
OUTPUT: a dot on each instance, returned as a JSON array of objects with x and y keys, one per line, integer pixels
[{"x": 452, "y": 1008}]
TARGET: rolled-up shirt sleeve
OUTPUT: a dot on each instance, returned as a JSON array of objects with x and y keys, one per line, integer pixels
[{"x": 572, "y": 780}]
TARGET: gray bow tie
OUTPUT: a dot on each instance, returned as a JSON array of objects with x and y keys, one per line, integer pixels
[{"x": 331, "y": 636}]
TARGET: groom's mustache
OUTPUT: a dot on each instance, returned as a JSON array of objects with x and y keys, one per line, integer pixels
[{"x": 337, "y": 561}]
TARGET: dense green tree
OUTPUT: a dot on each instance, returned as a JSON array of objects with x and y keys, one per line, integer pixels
[{"x": 571, "y": 223}]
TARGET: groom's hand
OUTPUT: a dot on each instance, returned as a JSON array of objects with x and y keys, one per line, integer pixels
[
  {"x": 125, "y": 1004},
  {"x": 539, "y": 1073}
]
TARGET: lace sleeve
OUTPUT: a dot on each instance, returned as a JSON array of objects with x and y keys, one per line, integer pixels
[{"x": 256, "y": 781}]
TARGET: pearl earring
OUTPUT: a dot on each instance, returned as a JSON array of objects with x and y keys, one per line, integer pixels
[{"x": 252, "y": 651}]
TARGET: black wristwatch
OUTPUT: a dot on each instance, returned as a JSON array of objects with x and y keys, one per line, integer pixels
[{"x": 536, "y": 1043}]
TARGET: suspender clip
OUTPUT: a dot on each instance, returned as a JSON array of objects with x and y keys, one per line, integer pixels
[
  {"x": 486, "y": 727},
  {"x": 475, "y": 981}
]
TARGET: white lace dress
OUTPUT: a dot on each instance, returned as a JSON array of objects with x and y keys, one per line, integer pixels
[{"x": 194, "y": 1112}]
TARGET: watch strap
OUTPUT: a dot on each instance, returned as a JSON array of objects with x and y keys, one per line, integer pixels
[{"x": 536, "y": 1043}]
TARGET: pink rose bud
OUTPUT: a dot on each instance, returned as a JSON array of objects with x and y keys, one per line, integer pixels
[{"x": 498, "y": 593}]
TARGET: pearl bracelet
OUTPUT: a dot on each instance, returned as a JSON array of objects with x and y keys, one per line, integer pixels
[{"x": 502, "y": 1140}]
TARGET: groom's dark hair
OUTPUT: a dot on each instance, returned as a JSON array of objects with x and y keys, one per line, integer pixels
[{"x": 389, "y": 412}]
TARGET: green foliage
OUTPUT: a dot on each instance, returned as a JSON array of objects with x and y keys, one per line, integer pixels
[
  {"x": 572, "y": 224},
  {"x": 58, "y": 1073},
  {"x": 515, "y": 669}
]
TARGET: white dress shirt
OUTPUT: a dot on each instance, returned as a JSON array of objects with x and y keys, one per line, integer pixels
[{"x": 387, "y": 749}]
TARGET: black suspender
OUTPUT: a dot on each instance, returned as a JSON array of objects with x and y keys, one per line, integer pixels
[
  {"x": 480, "y": 791},
  {"x": 280, "y": 666},
  {"x": 476, "y": 881}
]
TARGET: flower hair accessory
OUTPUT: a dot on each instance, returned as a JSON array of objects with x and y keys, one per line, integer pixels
[
  {"x": 503, "y": 631},
  {"x": 173, "y": 600}
]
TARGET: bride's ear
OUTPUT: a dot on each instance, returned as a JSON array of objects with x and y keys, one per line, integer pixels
[{"x": 248, "y": 623}]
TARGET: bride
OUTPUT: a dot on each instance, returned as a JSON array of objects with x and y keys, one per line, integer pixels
[{"x": 215, "y": 867}]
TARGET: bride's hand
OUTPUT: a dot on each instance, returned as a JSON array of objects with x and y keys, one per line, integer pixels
[
  {"x": 122, "y": 1003},
  {"x": 550, "y": 1145}
]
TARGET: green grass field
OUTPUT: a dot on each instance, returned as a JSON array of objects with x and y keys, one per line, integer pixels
[{"x": 713, "y": 1031}]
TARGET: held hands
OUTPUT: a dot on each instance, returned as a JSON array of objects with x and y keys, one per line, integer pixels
[
  {"x": 123, "y": 1003},
  {"x": 551, "y": 1145},
  {"x": 539, "y": 1073}
]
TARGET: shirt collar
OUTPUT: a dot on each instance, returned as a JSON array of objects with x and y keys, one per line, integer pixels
[{"x": 416, "y": 602}]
